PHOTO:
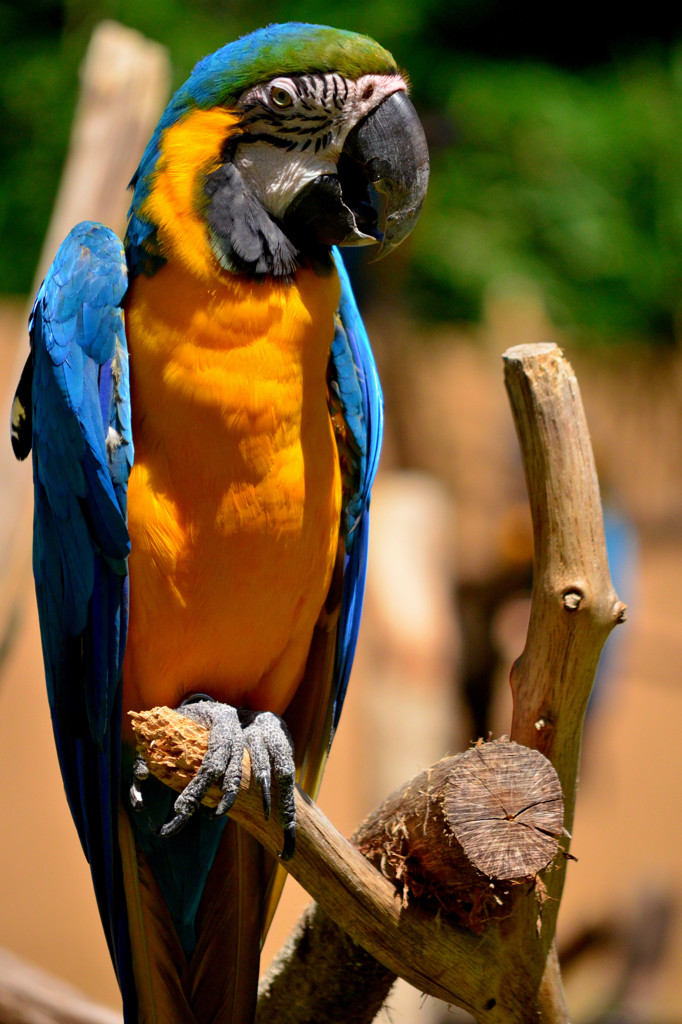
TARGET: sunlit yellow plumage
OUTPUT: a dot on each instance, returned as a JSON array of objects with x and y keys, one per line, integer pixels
[
  {"x": 235, "y": 487},
  {"x": 236, "y": 484}
]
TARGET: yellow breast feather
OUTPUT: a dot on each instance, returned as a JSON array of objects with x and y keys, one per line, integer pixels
[{"x": 234, "y": 500}]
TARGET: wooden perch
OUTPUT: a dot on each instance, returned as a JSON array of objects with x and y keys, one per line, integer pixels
[
  {"x": 463, "y": 835},
  {"x": 420, "y": 837},
  {"x": 494, "y": 812},
  {"x": 467, "y": 912},
  {"x": 573, "y": 605}
]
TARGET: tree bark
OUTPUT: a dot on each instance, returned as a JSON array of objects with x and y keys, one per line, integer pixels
[
  {"x": 418, "y": 838},
  {"x": 573, "y": 604}
]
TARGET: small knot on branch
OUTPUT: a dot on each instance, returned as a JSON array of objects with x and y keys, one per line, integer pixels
[
  {"x": 573, "y": 598},
  {"x": 620, "y": 612}
]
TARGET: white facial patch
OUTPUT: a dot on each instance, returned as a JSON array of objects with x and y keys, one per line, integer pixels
[{"x": 295, "y": 128}]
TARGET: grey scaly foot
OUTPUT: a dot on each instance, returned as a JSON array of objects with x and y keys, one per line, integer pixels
[
  {"x": 266, "y": 738},
  {"x": 222, "y": 763},
  {"x": 271, "y": 750}
]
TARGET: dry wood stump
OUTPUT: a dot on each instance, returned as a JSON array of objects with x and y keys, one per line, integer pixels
[{"x": 461, "y": 836}]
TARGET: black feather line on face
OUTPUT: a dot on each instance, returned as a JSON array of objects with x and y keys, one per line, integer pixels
[
  {"x": 281, "y": 142},
  {"x": 246, "y": 237}
]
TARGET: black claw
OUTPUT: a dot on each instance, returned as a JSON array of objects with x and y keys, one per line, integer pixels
[
  {"x": 289, "y": 845},
  {"x": 172, "y": 827},
  {"x": 185, "y": 806},
  {"x": 225, "y": 805},
  {"x": 265, "y": 790}
]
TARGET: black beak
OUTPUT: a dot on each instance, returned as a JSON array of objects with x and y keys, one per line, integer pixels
[
  {"x": 384, "y": 154},
  {"x": 390, "y": 147}
]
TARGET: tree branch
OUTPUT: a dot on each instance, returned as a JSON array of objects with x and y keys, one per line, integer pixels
[
  {"x": 573, "y": 604},
  {"x": 29, "y": 995},
  {"x": 430, "y": 824}
]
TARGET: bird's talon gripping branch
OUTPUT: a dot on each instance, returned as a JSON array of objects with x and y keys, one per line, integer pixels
[
  {"x": 260, "y": 761},
  {"x": 270, "y": 748},
  {"x": 222, "y": 763},
  {"x": 267, "y": 740}
]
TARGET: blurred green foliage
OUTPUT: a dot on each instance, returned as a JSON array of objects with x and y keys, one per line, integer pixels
[
  {"x": 557, "y": 155},
  {"x": 564, "y": 184}
]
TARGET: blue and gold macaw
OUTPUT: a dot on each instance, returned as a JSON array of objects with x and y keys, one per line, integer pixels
[{"x": 221, "y": 569}]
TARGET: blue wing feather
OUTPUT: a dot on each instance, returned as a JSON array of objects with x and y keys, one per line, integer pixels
[
  {"x": 362, "y": 401},
  {"x": 82, "y": 454}
]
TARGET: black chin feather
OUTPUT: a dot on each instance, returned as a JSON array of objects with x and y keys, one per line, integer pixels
[{"x": 246, "y": 237}]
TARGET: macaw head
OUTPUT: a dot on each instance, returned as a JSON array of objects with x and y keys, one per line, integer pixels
[{"x": 280, "y": 145}]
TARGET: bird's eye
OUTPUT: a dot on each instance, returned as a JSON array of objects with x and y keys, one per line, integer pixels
[{"x": 280, "y": 97}]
